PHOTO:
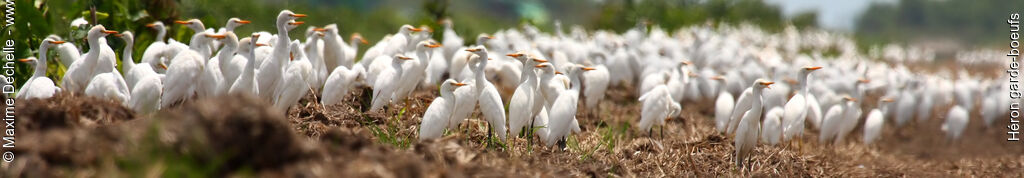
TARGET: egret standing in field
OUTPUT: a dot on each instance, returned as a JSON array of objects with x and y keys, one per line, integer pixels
[
  {"x": 435, "y": 118},
  {"x": 746, "y": 132}
]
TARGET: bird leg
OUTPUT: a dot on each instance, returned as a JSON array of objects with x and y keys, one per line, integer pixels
[
  {"x": 662, "y": 132},
  {"x": 561, "y": 144},
  {"x": 530, "y": 134}
]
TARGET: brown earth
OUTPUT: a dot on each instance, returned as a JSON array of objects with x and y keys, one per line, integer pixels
[{"x": 241, "y": 136}]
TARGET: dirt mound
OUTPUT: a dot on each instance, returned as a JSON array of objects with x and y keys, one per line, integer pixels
[
  {"x": 239, "y": 131},
  {"x": 65, "y": 110}
]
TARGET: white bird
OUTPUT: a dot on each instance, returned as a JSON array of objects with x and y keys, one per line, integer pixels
[
  {"x": 296, "y": 82},
  {"x": 439, "y": 111},
  {"x": 522, "y": 102},
  {"x": 452, "y": 42},
  {"x": 796, "y": 108},
  {"x": 465, "y": 99},
  {"x": 595, "y": 83},
  {"x": 133, "y": 72},
  {"x": 270, "y": 74},
  {"x": 876, "y": 121},
  {"x": 67, "y": 53},
  {"x": 397, "y": 44},
  {"x": 746, "y": 132},
  {"x": 180, "y": 80},
  {"x": 211, "y": 81},
  {"x": 144, "y": 84},
  {"x": 387, "y": 82},
  {"x": 956, "y": 122},
  {"x": 340, "y": 82},
  {"x": 833, "y": 121},
  {"x": 658, "y": 106},
  {"x": 487, "y": 96},
  {"x": 771, "y": 130},
  {"x": 413, "y": 70},
  {"x": 39, "y": 86},
  {"x": 109, "y": 86},
  {"x": 723, "y": 106},
  {"x": 246, "y": 82},
  {"x": 77, "y": 77},
  {"x": 743, "y": 104},
  {"x": 563, "y": 111}
]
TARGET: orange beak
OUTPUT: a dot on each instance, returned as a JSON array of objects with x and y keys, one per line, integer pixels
[
  {"x": 717, "y": 78},
  {"x": 814, "y": 68},
  {"x": 320, "y": 29},
  {"x": 404, "y": 58},
  {"x": 887, "y": 100},
  {"x": 215, "y": 36},
  {"x": 109, "y": 32},
  {"x": 291, "y": 56},
  {"x": 863, "y": 80},
  {"x": 416, "y": 29},
  {"x": 432, "y": 45},
  {"x": 590, "y": 68},
  {"x": 767, "y": 84},
  {"x": 56, "y": 42},
  {"x": 557, "y": 72},
  {"x": 473, "y": 50},
  {"x": 151, "y": 25},
  {"x": 460, "y": 84},
  {"x": 489, "y": 37},
  {"x": 539, "y": 60},
  {"x": 514, "y": 55},
  {"x": 297, "y": 23},
  {"x": 182, "y": 22},
  {"x": 24, "y": 60},
  {"x": 162, "y": 66},
  {"x": 244, "y": 21},
  {"x": 361, "y": 40},
  {"x": 687, "y": 62},
  {"x": 540, "y": 65},
  {"x": 298, "y": 15},
  {"x": 260, "y": 44}
]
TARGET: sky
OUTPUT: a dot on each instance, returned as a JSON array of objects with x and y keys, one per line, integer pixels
[{"x": 835, "y": 15}]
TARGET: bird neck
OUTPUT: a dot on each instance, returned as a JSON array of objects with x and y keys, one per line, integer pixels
[
  {"x": 127, "y": 61},
  {"x": 40, "y": 68},
  {"x": 227, "y": 53},
  {"x": 94, "y": 43},
  {"x": 446, "y": 93},
  {"x": 354, "y": 43},
  {"x": 757, "y": 106},
  {"x": 574, "y": 80},
  {"x": 160, "y": 34},
  {"x": 528, "y": 71},
  {"x": 802, "y": 81},
  {"x": 198, "y": 44}
]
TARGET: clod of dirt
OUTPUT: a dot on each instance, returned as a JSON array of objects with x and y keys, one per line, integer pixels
[
  {"x": 238, "y": 129},
  {"x": 65, "y": 110}
]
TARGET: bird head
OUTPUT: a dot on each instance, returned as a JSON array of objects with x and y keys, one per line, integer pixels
[
  {"x": 99, "y": 31},
  {"x": 359, "y": 37},
  {"x": 156, "y": 25},
  {"x": 764, "y": 83}
]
